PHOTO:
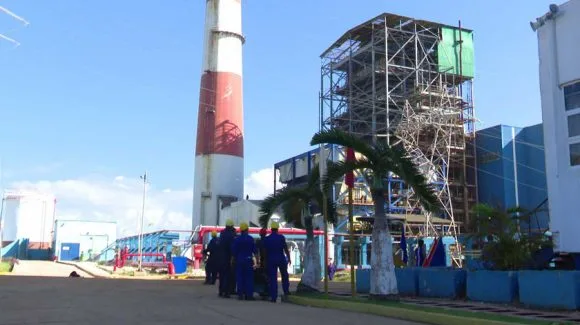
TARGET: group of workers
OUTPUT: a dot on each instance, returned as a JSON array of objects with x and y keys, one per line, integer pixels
[{"x": 234, "y": 259}]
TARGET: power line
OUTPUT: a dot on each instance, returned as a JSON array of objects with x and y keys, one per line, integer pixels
[
  {"x": 518, "y": 163},
  {"x": 533, "y": 145},
  {"x": 508, "y": 179},
  {"x": 15, "y": 16}
]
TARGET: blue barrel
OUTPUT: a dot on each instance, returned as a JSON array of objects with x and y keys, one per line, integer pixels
[{"x": 180, "y": 264}]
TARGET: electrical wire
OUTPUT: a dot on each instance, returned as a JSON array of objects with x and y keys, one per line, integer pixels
[
  {"x": 511, "y": 160},
  {"x": 507, "y": 179},
  {"x": 533, "y": 145}
]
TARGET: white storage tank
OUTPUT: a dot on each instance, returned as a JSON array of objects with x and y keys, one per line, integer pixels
[{"x": 28, "y": 215}]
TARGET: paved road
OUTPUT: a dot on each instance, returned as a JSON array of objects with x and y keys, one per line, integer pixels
[
  {"x": 45, "y": 268},
  {"x": 36, "y": 300}
]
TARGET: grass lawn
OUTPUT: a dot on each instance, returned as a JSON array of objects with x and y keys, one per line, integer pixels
[
  {"x": 410, "y": 312},
  {"x": 5, "y": 267}
]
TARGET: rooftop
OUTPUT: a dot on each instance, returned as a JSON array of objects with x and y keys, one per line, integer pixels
[{"x": 364, "y": 30}]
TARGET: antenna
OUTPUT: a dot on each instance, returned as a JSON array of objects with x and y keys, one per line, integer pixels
[{"x": 15, "y": 16}]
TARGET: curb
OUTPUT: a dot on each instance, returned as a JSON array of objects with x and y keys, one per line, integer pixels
[
  {"x": 82, "y": 269},
  {"x": 393, "y": 312}
]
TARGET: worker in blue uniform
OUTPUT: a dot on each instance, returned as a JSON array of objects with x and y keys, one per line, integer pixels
[
  {"x": 244, "y": 252},
  {"x": 277, "y": 258},
  {"x": 225, "y": 247},
  {"x": 211, "y": 252}
]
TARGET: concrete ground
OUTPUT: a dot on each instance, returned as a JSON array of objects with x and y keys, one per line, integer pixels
[
  {"x": 57, "y": 300},
  {"x": 44, "y": 268}
]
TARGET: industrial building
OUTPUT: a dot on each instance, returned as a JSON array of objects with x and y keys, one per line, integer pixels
[
  {"x": 404, "y": 82},
  {"x": 240, "y": 211},
  {"x": 76, "y": 240},
  {"x": 26, "y": 224},
  {"x": 511, "y": 171},
  {"x": 408, "y": 82},
  {"x": 559, "y": 72}
]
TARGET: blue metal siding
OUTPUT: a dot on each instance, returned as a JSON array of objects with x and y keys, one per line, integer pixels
[
  {"x": 533, "y": 184},
  {"x": 69, "y": 251},
  {"x": 491, "y": 187},
  {"x": 509, "y": 171},
  {"x": 497, "y": 176}
]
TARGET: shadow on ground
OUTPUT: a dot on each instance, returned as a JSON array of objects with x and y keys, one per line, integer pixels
[{"x": 36, "y": 300}]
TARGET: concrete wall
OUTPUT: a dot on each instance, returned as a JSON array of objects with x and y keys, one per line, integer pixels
[
  {"x": 511, "y": 169},
  {"x": 92, "y": 236},
  {"x": 559, "y": 69}
]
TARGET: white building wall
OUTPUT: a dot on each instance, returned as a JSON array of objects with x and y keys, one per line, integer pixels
[
  {"x": 559, "y": 54},
  {"x": 240, "y": 211},
  {"x": 91, "y": 235},
  {"x": 28, "y": 215}
]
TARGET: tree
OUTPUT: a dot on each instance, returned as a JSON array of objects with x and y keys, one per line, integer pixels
[
  {"x": 507, "y": 248},
  {"x": 296, "y": 203},
  {"x": 378, "y": 161}
]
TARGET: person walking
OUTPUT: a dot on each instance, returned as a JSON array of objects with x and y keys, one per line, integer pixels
[
  {"x": 243, "y": 252},
  {"x": 212, "y": 259},
  {"x": 277, "y": 258},
  {"x": 225, "y": 248}
]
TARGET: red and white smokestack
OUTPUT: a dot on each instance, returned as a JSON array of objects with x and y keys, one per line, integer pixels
[{"x": 219, "y": 153}]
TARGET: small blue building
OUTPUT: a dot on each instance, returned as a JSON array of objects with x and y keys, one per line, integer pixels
[{"x": 511, "y": 170}]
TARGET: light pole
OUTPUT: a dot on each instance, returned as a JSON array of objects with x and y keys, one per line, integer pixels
[{"x": 144, "y": 178}]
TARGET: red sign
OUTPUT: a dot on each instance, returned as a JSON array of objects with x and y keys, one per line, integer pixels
[
  {"x": 198, "y": 251},
  {"x": 349, "y": 178}
]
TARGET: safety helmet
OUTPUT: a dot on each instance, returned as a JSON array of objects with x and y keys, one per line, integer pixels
[
  {"x": 263, "y": 232},
  {"x": 274, "y": 225},
  {"x": 243, "y": 226},
  {"x": 214, "y": 233},
  {"x": 229, "y": 223}
]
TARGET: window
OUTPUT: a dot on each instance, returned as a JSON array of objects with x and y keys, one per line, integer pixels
[
  {"x": 572, "y": 96},
  {"x": 574, "y": 125},
  {"x": 575, "y": 154}
]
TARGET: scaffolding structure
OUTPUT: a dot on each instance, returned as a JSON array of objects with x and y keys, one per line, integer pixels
[{"x": 409, "y": 83}]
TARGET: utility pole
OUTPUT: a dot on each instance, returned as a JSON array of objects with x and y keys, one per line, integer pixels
[{"x": 144, "y": 178}]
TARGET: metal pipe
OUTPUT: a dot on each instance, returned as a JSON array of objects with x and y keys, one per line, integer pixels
[{"x": 140, "y": 247}]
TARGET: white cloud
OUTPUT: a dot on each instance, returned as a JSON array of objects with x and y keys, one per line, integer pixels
[
  {"x": 120, "y": 198},
  {"x": 260, "y": 184}
]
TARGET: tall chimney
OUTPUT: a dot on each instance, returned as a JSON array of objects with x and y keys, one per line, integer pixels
[{"x": 219, "y": 153}]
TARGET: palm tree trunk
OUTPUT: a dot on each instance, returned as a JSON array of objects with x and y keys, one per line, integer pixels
[
  {"x": 312, "y": 269},
  {"x": 383, "y": 279}
]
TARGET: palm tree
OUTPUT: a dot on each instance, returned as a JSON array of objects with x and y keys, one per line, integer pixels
[
  {"x": 295, "y": 203},
  {"x": 377, "y": 162}
]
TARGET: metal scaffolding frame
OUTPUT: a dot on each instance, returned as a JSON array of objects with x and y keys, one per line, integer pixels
[{"x": 382, "y": 81}]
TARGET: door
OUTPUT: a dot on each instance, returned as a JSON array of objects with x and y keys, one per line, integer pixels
[{"x": 69, "y": 251}]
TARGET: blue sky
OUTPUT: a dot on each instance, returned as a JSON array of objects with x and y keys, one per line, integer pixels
[{"x": 108, "y": 88}]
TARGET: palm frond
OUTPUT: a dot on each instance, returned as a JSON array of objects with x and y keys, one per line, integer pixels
[
  {"x": 314, "y": 178},
  {"x": 408, "y": 171},
  {"x": 336, "y": 170},
  {"x": 273, "y": 201},
  {"x": 330, "y": 205},
  {"x": 341, "y": 138},
  {"x": 292, "y": 211},
  {"x": 331, "y": 212}
]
